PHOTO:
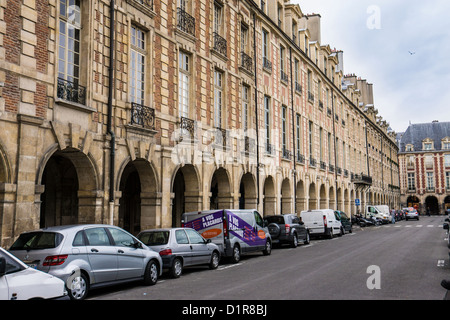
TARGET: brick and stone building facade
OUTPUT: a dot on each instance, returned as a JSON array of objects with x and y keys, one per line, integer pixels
[
  {"x": 424, "y": 158},
  {"x": 183, "y": 105}
]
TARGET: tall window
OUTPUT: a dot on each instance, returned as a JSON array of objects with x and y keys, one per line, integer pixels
[
  {"x": 329, "y": 148},
  {"x": 447, "y": 160},
  {"x": 244, "y": 38},
  {"x": 310, "y": 133},
  {"x": 282, "y": 50},
  {"x": 267, "y": 121},
  {"x": 183, "y": 90},
  {"x": 245, "y": 103},
  {"x": 321, "y": 144},
  {"x": 265, "y": 39},
  {"x": 411, "y": 182},
  {"x": 218, "y": 98},
  {"x": 430, "y": 181},
  {"x": 447, "y": 180},
  {"x": 69, "y": 40},
  {"x": 284, "y": 126},
  {"x": 137, "y": 72},
  {"x": 218, "y": 12},
  {"x": 298, "y": 137}
]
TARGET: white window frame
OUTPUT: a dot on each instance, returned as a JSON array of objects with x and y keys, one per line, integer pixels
[
  {"x": 137, "y": 65},
  {"x": 184, "y": 84}
]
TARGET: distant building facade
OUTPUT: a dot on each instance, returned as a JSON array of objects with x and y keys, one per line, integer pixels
[
  {"x": 424, "y": 157},
  {"x": 184, "y": 105}
]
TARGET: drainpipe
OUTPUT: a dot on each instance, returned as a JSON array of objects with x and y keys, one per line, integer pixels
[
  {"x": 110, "y": 110},
  {"x": 293, "y": 133},
  {"x": 256, "y": 108}
]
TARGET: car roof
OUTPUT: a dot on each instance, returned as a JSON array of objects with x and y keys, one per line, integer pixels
[{"x": 69, "y": 227}]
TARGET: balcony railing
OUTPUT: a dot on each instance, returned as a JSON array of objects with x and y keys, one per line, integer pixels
[
  {"x": 323, "y": 165},
  {"x": 221, "y": 137},
  {"x": 220, "y": 44},
  {"x": 312, "y": 162},
  {"x": 147, "y": 3},
  {"x": 321, "y": 104},
  {"x": 267, "y": 64},
  {"x": 287, "y": 154},
  {"x": 71, "y": 91},
  {"x": 300, "y": 158},
  {"x": 249, "y": 145},
  {"x": 142, "y": 116},
  {"x": 246, "y": 62},
  {"x": 298, "y": 87},
  {"x": 186, "y": 22},
  {"x": 284, "y": 76},
  {"x": 330, "y": 168},
  {"x": 270, "y": 149},
  {"x": 310, "y": 96},
  {"x": 362, "y": 179},
  {"x": 187, "y": 127}
]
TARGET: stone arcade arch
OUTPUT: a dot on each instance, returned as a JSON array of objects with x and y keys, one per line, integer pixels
[
  {"x": 69, "y": 180},
  {"x": 300, "y": 197},
  {"x": 312, "y": 205},
  {"x": 431, "y": 205},
  {"x": 139, "y": 198},
  {"x": 6, "y": 195},
  {"x": 186, "y": 193},
  {"x": 323, "y": 198},
  {"x": 247, "y": 192},
  {"x": 269, "y": 197},
  {"x": 286, "y": 200},
  {"x": 220, "y": 191}
]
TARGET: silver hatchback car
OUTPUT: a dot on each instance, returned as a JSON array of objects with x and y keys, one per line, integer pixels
[
  {"x": 88, "y": 256},
  {"x": 181, "y": 247}
]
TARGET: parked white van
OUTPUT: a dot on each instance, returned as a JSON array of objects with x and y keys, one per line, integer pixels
[
  {"x": 322, "y": 222},
  {"x": 236, "y": 232},
  {"x": 381, "y": 212}
]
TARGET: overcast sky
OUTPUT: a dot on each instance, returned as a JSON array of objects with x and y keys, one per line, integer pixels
[{"x": 377, "y": 37}]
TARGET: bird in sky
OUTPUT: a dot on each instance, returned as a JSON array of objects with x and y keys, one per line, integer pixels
[{"x": 411, "y": 53}]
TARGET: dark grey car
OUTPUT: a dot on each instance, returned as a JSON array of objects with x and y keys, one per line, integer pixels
[
  {"x": 287, "y": 229},
  {"x": 181, "y": 247}
]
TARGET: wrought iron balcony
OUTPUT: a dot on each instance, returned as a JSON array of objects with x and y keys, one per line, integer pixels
[
  {"x": 362, "y": 179},
  {"x": 321, "y": 104},
  {"x": 220, "y": 137},
  {"x": 345, "y": 173},
  {"x": 300, "y": 158},
  {"x": 143, "y": 116},
  {"x": 323, "y": 165},
  {"x": 284, "y": 76},
  {"x": 287, "y": 154},
  {"x": 187, "y": 127},
  {"x": 298, "y": 87},
  {"x": 249, "y": 145},
  {"x": 246, "y": 62},
  {"x": 329, "y": 113},
  {"x": 186, "y": 22},
  {"x": 310, "y": 96},
  {"x": 220, "y": 44},
  {"x": 339, "y": 170},
  {"x": 312, "y": 162},
  {"x": 267, "y": 64},
  {"x": 330, "y": 168},
  {"x": 147, "y": 3},
  {"x": 270, "y": 149},
  {"x": 71, "y": 91}
]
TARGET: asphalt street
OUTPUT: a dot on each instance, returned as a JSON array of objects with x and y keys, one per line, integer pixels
[{"x": 402, "y": 261}]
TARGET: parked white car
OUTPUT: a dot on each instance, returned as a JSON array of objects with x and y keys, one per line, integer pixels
[{"x": 20, "y": 282}]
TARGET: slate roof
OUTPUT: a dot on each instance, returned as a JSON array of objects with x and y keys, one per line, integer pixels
[{"x": 416, "y": 133}]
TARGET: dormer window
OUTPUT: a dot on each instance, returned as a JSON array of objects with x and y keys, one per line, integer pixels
[
  {"x": 428, "y": 144},
  {"x": 409, "y": 148},
  {"x": 446, "y": 143}
]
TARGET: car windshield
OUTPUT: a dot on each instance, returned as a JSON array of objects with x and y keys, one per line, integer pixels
[
  {"x": 275, "y": 219},
  {"x": 154, "y": 238},
  {"x": 37, "y": 240}
]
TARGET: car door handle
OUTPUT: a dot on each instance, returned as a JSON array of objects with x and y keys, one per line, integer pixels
[
  {"x": 94, "y": 250},
  {"x": 120, "y": 251}
]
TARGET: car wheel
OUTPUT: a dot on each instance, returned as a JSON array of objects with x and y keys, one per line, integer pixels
[
  {"x": 177, "y": 268},
  {"x": 268, "y": 249},
  {"x": 294, "y": 242},
  {"x": 307, "y": 238},
  {"x": 331, "y": 235},
  {"x": 215, "y": 258},
  {"x": 151, "y": 273},
  {"x": 79, "y": 287},
  {"x": 236, "y": 257}
]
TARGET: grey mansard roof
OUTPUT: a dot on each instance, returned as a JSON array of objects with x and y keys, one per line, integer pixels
[{"x": 416, "y": 133}]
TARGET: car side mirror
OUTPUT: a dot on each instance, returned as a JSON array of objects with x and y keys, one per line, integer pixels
[
  {"x": 208, "y": 240},
  {"x": 445, "y": 226},
  {"x": 2, "y": 266}
]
